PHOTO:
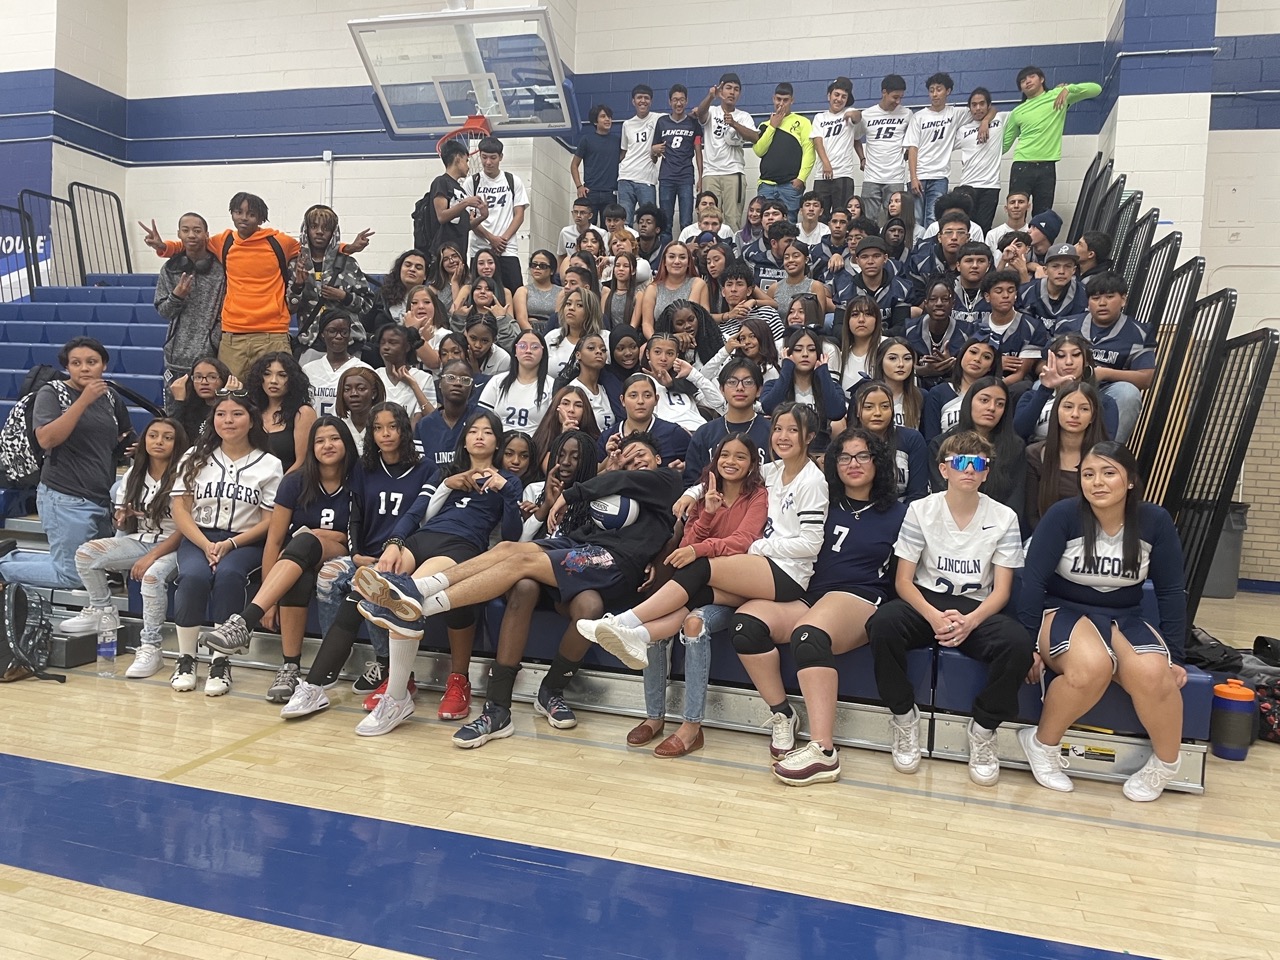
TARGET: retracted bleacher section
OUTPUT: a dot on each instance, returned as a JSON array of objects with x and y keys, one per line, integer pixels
[{"x": 1190, "y": 442}]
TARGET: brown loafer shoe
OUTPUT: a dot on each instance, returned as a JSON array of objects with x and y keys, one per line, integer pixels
[
  {"x": 642, "y": 734},
  {"x": 673, "y": 746}
]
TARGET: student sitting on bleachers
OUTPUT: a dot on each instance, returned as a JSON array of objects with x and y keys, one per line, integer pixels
[
  {"x": 309, "y": 525},
  {"x": 189, "y": 293},
  {"x": 1053, "y": 464},
  {"x": 1068, "y": 357},
  {"x": 957, "y": 551},
  {"x": 222, "y": 526},
  {"x": 82, "y": 425},
  {"x": 278, "y": 387},
  {"x": 359, "y": 390},
  {"x": 850, "y": 580},
  {"x": 334, "y": 333},
  {"x": 145, "y": 545},
  {"x": 195, "y": 394},
  {"x": 728, "y": 517},
  {"x": 984, "y": 409},
  {"x": 1080, "y": 595}
]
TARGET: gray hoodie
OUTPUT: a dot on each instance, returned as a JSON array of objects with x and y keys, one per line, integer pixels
[{"x": 195, "y": 323}]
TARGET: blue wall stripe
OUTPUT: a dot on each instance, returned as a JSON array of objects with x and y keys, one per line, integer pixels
[{"x": 434, "y": 893}]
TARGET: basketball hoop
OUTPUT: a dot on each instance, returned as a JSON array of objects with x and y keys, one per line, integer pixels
[{"x": 472, "y": 131}]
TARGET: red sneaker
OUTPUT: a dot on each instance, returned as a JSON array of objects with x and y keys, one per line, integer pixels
[
  {"x": 456, "y": 702},
  {"x": 372, "y": 699}
]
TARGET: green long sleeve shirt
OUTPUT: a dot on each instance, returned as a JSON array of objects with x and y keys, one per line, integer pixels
[{"x": 1038, "y": 127}]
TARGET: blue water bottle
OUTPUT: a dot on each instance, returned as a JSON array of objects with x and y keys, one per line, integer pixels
[
  {"x": 107, "y": 624},
  {"x": 1231, "y": 721}
]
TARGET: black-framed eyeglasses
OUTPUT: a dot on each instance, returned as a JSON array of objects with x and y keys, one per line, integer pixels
[
  {"x": 206, "y": 377},
  {"x": 739, "y": 382},
  {"x": 238, "y": 394},
  {"x": 539, "y": 265},
  {"x": 845, "y": 459}
]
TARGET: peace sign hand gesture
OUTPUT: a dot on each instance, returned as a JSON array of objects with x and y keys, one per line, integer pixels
[{"x": 713, "y": 500}]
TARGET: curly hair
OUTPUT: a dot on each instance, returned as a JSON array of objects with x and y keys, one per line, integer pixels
[
  {"x": 884, "y": 485},
  {"x": 297, "y": 393}
]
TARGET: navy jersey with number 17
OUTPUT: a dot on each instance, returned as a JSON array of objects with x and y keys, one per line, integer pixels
[{"x": 382, "y": 496}]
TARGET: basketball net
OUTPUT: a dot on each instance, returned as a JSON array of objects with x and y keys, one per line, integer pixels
[{"x": 475, "y": 129}]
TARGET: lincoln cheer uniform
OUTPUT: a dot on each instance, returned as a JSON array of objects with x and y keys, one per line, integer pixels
[
  {"x": 856, "y": 551},
  {"x": 1059, "y": 577},
  {"x": 228, "y": 497},
  {"x": 955, "y": 569}
]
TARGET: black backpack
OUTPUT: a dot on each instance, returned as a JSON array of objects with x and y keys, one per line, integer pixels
[{"x": 25, "y": 632}]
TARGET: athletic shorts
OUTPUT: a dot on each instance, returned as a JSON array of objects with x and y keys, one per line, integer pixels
[
  {"x": 426, "y": 544},
  {"x": 1142, "y": 636},
  {"x": 784, "y": 588},
  {"x": 580, "y": 567},
  {"x": 866, "y": 594}
]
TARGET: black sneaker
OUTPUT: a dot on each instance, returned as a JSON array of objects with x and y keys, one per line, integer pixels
[
  {"x": 494, "y": 723},
  {"x": 374, "y": 676},
  {"x": 552, "y": 706}
]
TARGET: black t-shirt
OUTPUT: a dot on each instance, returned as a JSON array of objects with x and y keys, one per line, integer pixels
[
  {"x": 83, "y": 465},
  {"x": 600, "y": 156},
  {"x": 456, "y": 230}
]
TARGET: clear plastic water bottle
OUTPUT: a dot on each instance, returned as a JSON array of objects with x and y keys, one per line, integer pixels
[{"x": 107, "y": 625}]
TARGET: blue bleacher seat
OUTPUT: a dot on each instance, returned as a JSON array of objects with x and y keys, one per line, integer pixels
[
  {"x": 146, "y": 313},
  {"x": 44, "y": 353},
  {"x": 122, "y": 279},
  {"x": 58, "y": 295},
  {"x": 128, "y": 294},
  {"x": 148, "y": 361},
  {"x": 150, "y": 387},
  {"x": 60, "y": 332},
  {"x": 113, "y": 335},
  {"x": 22, "y": 331},
  {"x": 147, "y": 334},
  {"x": 10, "y": 383},
  {"x": 29, "y": 312},
  {"x": 17, "y": 356},
  {"x": 112, "y": 312}
]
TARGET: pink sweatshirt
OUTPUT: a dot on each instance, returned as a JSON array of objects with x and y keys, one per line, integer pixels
[{"x": 731, "y": 529}]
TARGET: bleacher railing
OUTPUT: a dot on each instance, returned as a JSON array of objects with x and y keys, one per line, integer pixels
[
  {"x": 104, "y": 238},
  {"x": 54, "y": 236},
  {"x": 1135, "y": 244},
  {"x": 1087, "y": 186},
  {"x": 17, "y": 273},
  {"x": 1150, "y": 286},
  {"x": 1218, "y": 440}
]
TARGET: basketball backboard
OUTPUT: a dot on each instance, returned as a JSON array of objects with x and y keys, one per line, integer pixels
[{"x": 431, "y": 71}]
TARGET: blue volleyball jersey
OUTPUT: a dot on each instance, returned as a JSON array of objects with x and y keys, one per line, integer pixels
[
  {"x": 326, "y": 511},
  {"x": 436, "y": 439},
  {"x": 856, "y": 549},
  {"x": 1124, "y": 345},
  {"x": 681, "y": 137},
  {"x": 911, "y": 461},
  {"x": 952, "y": 339},
  {"x": 467, "y": 514},
  {"x": 892, "y": 297},
  {"x": 382, "y": 497}
]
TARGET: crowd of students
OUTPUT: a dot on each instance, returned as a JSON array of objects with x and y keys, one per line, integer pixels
[{"x": 824, "y": 419}]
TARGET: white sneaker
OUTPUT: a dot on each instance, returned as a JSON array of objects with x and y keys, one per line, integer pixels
[
  {"x": 782, "y": 739},
  {"x": 89, "y": 620},
  {"x": 588, "y": 627},
  {"x": 386, "y": 716},
  {"x": 218, "y": 682},
  {"x": 906, "y": 741},
  {"x": 809, "y": 764},
  {"x": 147, "y": 661},
  {"x": 184, "y": 674},
  {"x": 1149, "y": 782},
  {"x": 628, "y": 644},
  {"x": 1047, "y": 763},
  {"x": 984, "y": 765},
  {"x": 307, "y": 698}
]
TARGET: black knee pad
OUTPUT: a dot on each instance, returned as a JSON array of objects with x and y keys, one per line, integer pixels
[
  {"x": 304, "y": 549},
  {"x": 693, "y": 577},
  {"x": 750, "y": 634},
  {"x": 302, "y": 592},
  {"x": 460, "y": 618},
  {"x": 811, "y": 647}
]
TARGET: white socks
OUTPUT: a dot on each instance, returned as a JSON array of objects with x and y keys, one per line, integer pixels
[
  {"x": 188, "y": 641},
  {"x": 628, "y": 618},
  {"x": 402, "y": 655},
  {"x": 429, "y": 586},
  {"x": 436, "y": 603}
]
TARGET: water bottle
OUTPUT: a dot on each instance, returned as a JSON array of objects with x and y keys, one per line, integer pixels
[
  {"x": 107, "y": 624},
  {"x": 1231, "y": 720}
]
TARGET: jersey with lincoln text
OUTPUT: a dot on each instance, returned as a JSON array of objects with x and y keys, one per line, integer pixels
[
  {"x": 857, "y": 546},
  {"x": 980, "y": 162},
  {"x": 797, "y": 512},
  {"x": 956, "y": 561},
  {"x": 886, "y": 142},
  {"x": 381, "y": 497},
  {"x": 504, "y": 194},
  {"x": 1058, "y": 570},
  {"x": 326, "y": 510},
  {"x": 1123, "y": 345},
  {"x": 324, "y": 382},
  {"x": 838, "y": 136},
  {"x": 228, "y": 494},
  {"x": 436, "y": 439},
  {"x": 933, "y": 134},
  {"x": 1023, "y": 336}
]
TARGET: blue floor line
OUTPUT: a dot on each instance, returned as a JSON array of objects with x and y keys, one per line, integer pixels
[{"x": 435, "y": 893}]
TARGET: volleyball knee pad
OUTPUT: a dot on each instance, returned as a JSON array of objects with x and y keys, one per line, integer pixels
[
  {"x": 460, "y": 618},
  {"x": 811, "y": 647},
  {"x": 693, "y": 577},
  {"x": 304, "y": 549},
  {"x": 301, "y": 593},
  {"x": 750, "y": 635}
]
